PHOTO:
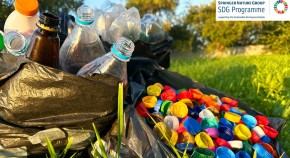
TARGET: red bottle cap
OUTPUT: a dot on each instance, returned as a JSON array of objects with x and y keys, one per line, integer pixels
[
  {"x": 255, "y": 138},
  {"x": 143, "y": 112},
  {"x": 262, "y": 120},
  {"x": 166, "y": 87},
  {"x": 169, "y": 95},
  {"x": 270, "y": 132},
  {"x": 225, "y": 107},
  {"x": 185, "y": 95},
  {"x": 221, "y": 142}
]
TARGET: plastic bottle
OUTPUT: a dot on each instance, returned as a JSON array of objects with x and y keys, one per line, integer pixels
[
  {"x": 15, "y": 43},
  {"x": 23, "y": 19},
  {"x": 44, "y": 44},
  {"x": 113, "y": 63},
  {"x": 83, "y": 44}
]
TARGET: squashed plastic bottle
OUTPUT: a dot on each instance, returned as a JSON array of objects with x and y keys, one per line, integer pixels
[
  {"x": 23, "y": 19},
  {"x": 113, "y": 63},
  {"x": 83, "y": 44}
]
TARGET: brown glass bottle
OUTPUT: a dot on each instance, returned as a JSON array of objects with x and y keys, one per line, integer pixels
[{"x": 45, "y": 43}]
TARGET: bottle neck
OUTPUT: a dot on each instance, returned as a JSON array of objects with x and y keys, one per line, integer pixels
[
  {"x": 48, "y": 33},
  {"x": 117, "y": 54}
]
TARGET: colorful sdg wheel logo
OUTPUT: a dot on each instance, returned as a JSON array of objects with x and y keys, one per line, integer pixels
[{"x": 278, "y": 6}]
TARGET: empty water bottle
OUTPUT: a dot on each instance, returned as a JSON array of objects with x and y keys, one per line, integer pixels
[
  {"x": 15, "y": 43},
  {"x": 113, "y": 63},
  {"x": 83, "y": 44}
]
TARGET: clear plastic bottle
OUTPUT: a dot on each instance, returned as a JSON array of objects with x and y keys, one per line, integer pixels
[
  {"x": 83, "y": 44},
  {"x": 113, "y": 63},
  {"x": 23, "y": 19}
]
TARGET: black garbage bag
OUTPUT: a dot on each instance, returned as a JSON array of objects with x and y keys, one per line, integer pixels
[
  {"x": 138, "y": 138},
  {"x": 38, "y": 102}
]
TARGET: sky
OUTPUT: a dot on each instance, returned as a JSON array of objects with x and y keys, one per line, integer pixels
[{"x": 180, "y": 9}]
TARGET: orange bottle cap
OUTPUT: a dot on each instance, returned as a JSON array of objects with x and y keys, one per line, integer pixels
[{"x": 27, "y": 7}]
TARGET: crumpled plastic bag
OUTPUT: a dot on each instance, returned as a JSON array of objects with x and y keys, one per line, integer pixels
[
  {"x": 152, "y": 29},
  {"x": 115, "y": 21},
  {"x": 38, "y": 102}
]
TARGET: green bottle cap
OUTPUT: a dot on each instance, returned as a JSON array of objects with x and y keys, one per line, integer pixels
[{"x": 1, "y": 41}]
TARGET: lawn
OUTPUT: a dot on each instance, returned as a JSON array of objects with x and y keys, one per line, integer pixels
[{"x": 261, "y": 81}]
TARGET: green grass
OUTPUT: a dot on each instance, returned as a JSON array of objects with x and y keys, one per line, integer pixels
[{"x": 261, "y": 81}]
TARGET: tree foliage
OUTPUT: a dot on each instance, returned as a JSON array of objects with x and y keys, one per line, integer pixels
[
  {"x": 220, "y": 34},
  {"x": 152, "y": 6}
]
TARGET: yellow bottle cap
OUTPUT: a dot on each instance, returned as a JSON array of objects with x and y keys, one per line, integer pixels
[
  {"x": 153, "y": 90},
  {"x": 159, "y": 85},
  {"x": 187, "y": 102},
  {"x": 203, "y": 140},
  {"x": 149, "y": 101},
  {"x": 160, "y": 128},
  {"x": 174, "y": 137},
  {"x": 232, "y": 117},
  {"x": 186, "y": 137},
  {"x": 242, "y": 132},
  {"x": 179, "y": 109}
]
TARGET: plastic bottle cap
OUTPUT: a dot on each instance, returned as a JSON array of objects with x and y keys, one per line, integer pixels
[
  {"x": 225, "y": 107},
  {"x": 265, "y": 139},
  {"x": 187, "y": 102},
  {"x": 149, "y": 101},
  {"x": 212, "y": 132},
  {"x": 185, "y": 95},
  {"x": 206, "y": 113},
  {"x": 157, "y": 117},
  {"x": 160, "y": 128},
  {"x": 221, "y": 142},
  {"x": 242, "y": 154},
  {"x": 227, "y": 123},
  {"x": 247, "y": 147},
  {"x": 27, "y": 7},
  {"x": 259, "y": 131},
  {"x": 254, "y": 137},
  {"x": 249, "y": 121},
  {"x": 143, "y": 112},
  {"x": 186, "y": 137},
  {"x": 208, "y": 122},
  {"x": 270, "y": 132},
  {"x": 232, "y": 117},
  {"x": 202, "y": 153},
  {"x": 172, "y": 122},
  {"x": 153, "y": 90},
  {"x": 165, "y": 105},
  {"x": 236, "y": 144},
  {"x": 192, "y": 113},
  {"x": 169, "y": 95},
  {"x": 262, "y": 120},
  {"x": 236, "y": 111},
  {"x": 174, "y": 137},
  {"x": 203, "y": 140},
  {"x": 261, "y": 151},
  {"x": 223, "y": 152},
  {"x": 1, "y": 41},
  {"x": 182, "y": 147},
  {"x": 179, "y": 109},
  {"x": 192, "y": 126},
  {"x": 225, "y": 133},
  {"x": 268, "y": 147},
  {"x": 158, "y": 105},
  {"x": 242, "y": 132},
  {"x": 159, "y": 85}
]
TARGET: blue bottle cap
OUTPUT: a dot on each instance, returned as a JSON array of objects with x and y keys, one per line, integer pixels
[
  {"x": 192, "y": 113},
  {"x": 203, "y": 106},
  {"x": 197, "y": 109},
  {"x": 250, "y": 121},
  {"x": 261, "y": 151},
  {"x": 227, "y": 123},
  {"x": 242, "y": 154},
  {"x": 234, "y": 110},
  {"x": 158, "y": 105},
  {"x": 192, "y": 126},
  {"x": 224, "y": 152},
  {"x": 225, "y": 133},
  {"x": 182, "y": 147},
  {"x": 265, "y": 139}
]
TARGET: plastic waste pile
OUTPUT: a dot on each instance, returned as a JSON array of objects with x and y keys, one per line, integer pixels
[
  {"x": 205, "y": 125},
  {"x": 57, "y": 87}
]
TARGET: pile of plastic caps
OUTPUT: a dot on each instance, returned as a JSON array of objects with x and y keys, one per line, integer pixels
[{"x": 205, "y": 125}]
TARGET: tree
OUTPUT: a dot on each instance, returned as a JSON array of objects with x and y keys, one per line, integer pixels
[
  {"x": 57, "y": 6},
  {"x": 152, "y": 6},
  {"x": 219, "y": 34}
]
